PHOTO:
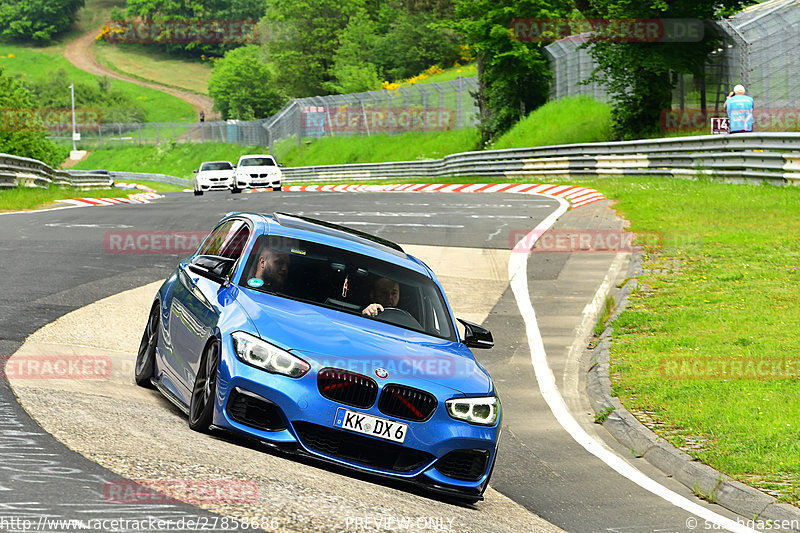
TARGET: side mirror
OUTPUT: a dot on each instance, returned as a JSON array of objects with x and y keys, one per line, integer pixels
[
  {"x": 476, "y": 336},
  {"x": 213, "y": 267},
  {"x": 280, "y": 164}
]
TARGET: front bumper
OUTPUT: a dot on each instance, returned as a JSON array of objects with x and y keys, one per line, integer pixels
[
  {"x": 214, "y": 185},
  {"x": 250, "y": 182},
  {"x": 441, "y": 454}
]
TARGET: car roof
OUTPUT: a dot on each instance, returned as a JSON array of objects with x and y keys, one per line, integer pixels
[
  {"x": 205, "y": 162},
  {"x": 302, "y": 227},
  {"x": 255, "y": 155}
]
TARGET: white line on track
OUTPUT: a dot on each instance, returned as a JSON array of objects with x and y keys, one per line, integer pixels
[{"x": 518, "y": 277}]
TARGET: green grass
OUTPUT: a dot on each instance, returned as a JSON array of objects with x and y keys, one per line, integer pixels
[
  {"x": 376, "y": 148},
  {"x": 721, "y": 288},
  {"x": 151, "y": 65},
  {"x": 159, "y": 186},
  {"x": 565, "y": 121},
  {"x": 30, "y": 63},
  {"x": 463, "y": 71},
  {"x": 167, "y": 158},
  {"x": 24, "y": 198}
]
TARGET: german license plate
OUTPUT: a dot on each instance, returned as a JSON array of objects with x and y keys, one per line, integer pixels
[{"x": 370, "y": 425}]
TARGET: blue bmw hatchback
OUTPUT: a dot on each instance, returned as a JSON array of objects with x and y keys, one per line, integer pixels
[{"x": 332, "y": 342}]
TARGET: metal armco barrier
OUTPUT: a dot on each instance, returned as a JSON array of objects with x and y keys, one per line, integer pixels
[
  {"x": 752, "y": 157},
  {"x": 24, "y": 172}
]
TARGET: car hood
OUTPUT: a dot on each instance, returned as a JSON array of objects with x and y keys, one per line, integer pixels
[
  {"x": 258, "y": 170},
  {"x": 215, "y": 173},
  {"x": 330, "y": 338}
]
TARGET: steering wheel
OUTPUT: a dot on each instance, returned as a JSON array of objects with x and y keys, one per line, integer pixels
[{"x": 398, "y": 316}]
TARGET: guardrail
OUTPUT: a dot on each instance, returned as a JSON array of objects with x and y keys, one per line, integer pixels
[
  {"x": 772, "y": 157},
  {"x": 139, "y": 176},
  {"x": 25, "y": 172}
]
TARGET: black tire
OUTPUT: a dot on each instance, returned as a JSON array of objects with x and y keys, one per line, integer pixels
[
  {"x": 146, "y": 357},
  {"x": 198, "y": 193},
  {"x": 235, "y": 190},
  {"x": 201, "y": 408},
  {"x": 276, "y": 188}
]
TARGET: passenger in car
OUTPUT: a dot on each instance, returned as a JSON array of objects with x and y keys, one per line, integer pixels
[
  {"x": 384, "y": 293},
  {"x": 273, "y": 267}
]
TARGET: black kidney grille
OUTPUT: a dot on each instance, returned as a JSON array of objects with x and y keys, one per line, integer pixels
[
  {"x": 346, "y": 387},
  {"x": 405, "y": 402},
  {"x": 465, "y": 465},
  {"x": 360, "y": 449}
]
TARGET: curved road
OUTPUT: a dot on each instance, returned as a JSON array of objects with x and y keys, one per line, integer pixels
[
  {"x": 79, "y": 52},
  {"x": 55, "y": 262}
]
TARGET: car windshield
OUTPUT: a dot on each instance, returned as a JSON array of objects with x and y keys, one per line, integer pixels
[
  {"x": 221, "y": 165},
  {"x": 348, "y": 282},
  {"x": 257, "y": 162}
]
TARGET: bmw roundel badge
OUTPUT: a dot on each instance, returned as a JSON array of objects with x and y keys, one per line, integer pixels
[{"x": 381, "y": 373}]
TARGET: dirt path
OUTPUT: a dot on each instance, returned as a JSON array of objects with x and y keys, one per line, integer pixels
[{"x": 79, "y": 52}]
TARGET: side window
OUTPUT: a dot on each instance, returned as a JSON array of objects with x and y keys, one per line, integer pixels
[
  {"x": 235, "y": 240},
  {"x": 213, "y": 243}
]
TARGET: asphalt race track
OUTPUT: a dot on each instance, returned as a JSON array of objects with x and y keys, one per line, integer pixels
[{"x": 58, "y": 261}]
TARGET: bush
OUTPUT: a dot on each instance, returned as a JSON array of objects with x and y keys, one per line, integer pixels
[
  {"x": 241, "y": 86},
  {"x": 28, "y": 138},
  {"x": 37, "y": 20},
  {"x": 112, "y": 105}
]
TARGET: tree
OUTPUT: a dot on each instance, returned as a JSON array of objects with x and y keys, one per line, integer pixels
[
  {"x": 353, "y": 69},
  {"x": 413, "y": 41},
  {"x": 640, "y": 75},
  {"x": 302, "y": 39},
  {"x": 112, "y": 105},
  {"x": 513, "y": 76},
  {"x": 197, "y": 10},
  {"x": 21, "y": 132},
  {"x": 241, "y": 85},
  {"x": 37, "y": 20}
]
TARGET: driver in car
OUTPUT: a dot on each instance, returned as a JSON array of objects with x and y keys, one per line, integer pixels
[
  {"x": 273, "y": 267},
  {"x": 384, "y": 293}
]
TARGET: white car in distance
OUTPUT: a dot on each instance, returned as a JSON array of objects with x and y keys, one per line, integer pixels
[
  {"x": 213, "y": 176},
  {"x": 256, "y": 171}
]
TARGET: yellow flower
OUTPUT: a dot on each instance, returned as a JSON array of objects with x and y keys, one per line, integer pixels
[{"x": 10, "y": 56}]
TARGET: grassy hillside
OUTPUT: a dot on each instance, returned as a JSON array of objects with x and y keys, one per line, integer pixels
[
  {"x": 168, "y": 158},
  {"x": 30, "y": 63},
  {"x": 140, "y": 62},
  {"x": 565, "y": 121},
  {"x": 376, "y": 148}
]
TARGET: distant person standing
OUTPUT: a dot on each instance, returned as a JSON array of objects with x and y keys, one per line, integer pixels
[
  {"x": 202, "y": 116},
  {"x": 739, "y": 107}
]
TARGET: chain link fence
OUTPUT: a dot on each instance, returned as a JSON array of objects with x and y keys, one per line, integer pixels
[
  {"x": 246, "y": 133},
  {"x": 425, "y": 107},
  {"x": 761, "y": 51}
]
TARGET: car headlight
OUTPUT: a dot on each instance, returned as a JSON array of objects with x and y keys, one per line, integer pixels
[
  {"x": 482, "y": 411},
  {"x": 264, "y": 355}
]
